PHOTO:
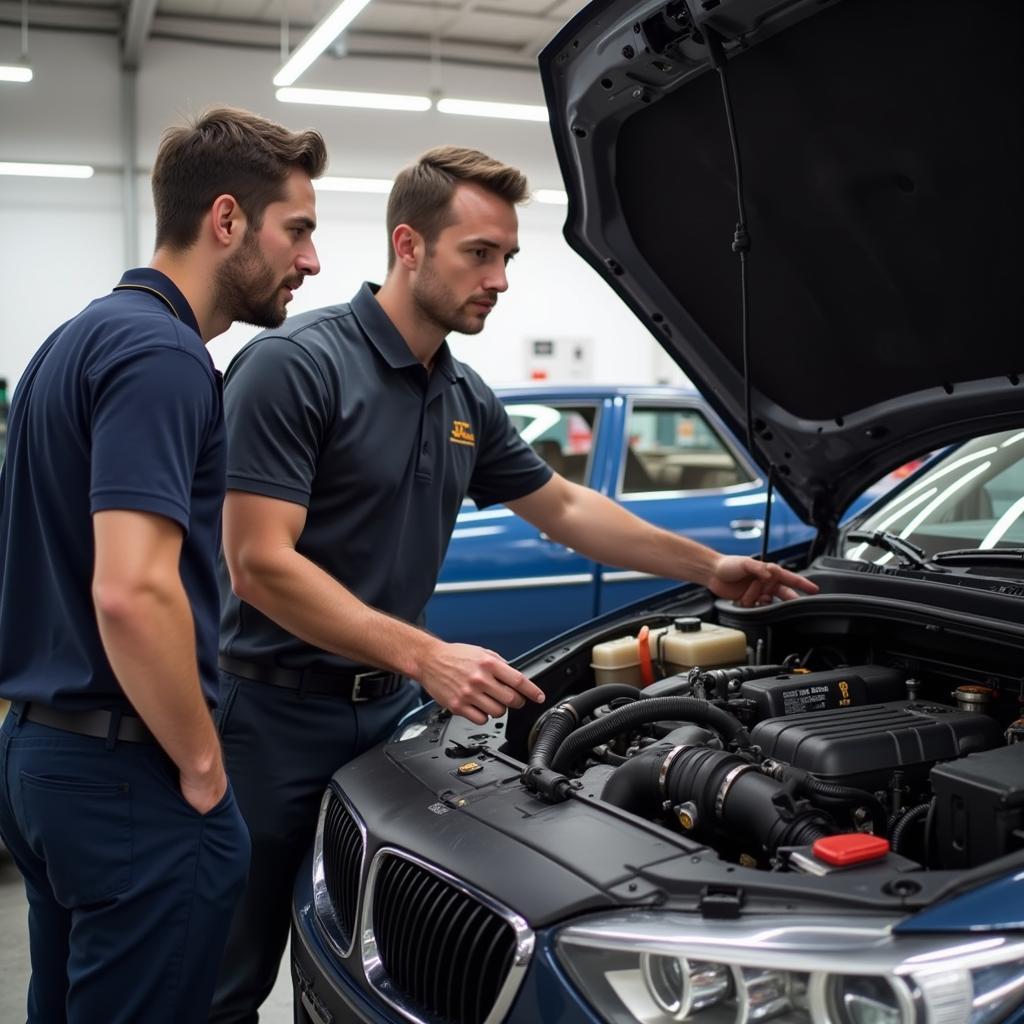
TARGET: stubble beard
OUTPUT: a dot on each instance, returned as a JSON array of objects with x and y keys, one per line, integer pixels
[
  {"x": 246, "y": 289},
  {"x": 437, "y": 304}
]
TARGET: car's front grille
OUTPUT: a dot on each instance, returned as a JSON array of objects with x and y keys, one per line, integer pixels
[
  {"x": 439, "y": 950},
  {"x": 338, "y": 858}
]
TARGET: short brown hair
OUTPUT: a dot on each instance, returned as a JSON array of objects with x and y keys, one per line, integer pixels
[
  {"x": 422, "y": 193},
  {"x": 226, "y": 151}
]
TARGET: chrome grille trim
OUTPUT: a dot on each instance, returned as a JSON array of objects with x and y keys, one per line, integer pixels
[
  {"x": 325, "y": 912},
  {"x": 444, "y": 907}
]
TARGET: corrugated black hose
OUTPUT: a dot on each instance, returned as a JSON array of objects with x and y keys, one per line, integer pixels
[
  {"x": 899, "y": 832},
  {"x": 559, "y": 723},
  {"x": 643, "y": 712}
]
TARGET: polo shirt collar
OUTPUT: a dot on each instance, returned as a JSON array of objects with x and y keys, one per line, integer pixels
[
  {"x": 385, "y": 336},
  {"x": 150, "y": 280}
]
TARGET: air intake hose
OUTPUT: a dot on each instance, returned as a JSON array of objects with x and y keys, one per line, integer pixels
[
  {"x": 654, "y": 709},
  {"x": 725, "y": 791}
]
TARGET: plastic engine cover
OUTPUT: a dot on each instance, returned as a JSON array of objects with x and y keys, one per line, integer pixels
[{"x": 862, "y": 746}]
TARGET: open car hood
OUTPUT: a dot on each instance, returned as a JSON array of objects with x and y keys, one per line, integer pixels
[{"x": 881, "y": 155}]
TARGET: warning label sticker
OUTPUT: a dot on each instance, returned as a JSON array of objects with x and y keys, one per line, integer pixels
[{"x": 805, "y": 698}]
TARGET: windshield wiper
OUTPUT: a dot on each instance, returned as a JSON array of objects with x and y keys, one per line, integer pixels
[
  {"x": 911, "y": 555},
  {"x": 982, "y": 556}
]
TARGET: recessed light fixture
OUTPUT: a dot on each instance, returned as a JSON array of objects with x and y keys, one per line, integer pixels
[
  {"x": 326, "y": 31},
  {"x": 330, "y": 183},
  {"x": 482, "y": 108},
  {"x": 554, "y": 196},
  {"x": 47, "y": 170},
  {"x": 342, "y": 98},
  {"x": 15, "y": 73}
]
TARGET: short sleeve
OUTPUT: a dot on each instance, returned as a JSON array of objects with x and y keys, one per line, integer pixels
[
  {"x": 151, "y": 414},
  {"x": 276, "y": 410},
  {"x": 506, "y": 467}
]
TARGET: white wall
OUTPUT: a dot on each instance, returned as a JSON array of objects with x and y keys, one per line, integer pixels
[{"x": 61, "y": 242}]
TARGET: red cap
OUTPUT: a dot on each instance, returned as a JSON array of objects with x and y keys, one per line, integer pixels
[{"x": 851, "y": 848}]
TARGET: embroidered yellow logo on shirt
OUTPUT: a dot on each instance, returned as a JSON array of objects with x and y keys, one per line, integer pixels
[{"x": 462, "y": 433}]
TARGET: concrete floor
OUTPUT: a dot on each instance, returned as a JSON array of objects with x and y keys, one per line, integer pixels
[{"x": 14, "y": 963}]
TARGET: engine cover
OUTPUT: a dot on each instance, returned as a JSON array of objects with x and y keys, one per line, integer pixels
[
  {"x": 792, "y": 693},
  {"x": 839, "y": 745}
]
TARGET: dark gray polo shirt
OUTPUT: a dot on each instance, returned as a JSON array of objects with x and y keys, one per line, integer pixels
[{"x": 332, "y": 411}]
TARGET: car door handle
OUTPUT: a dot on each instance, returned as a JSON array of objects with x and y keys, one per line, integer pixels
[{"x": 747, "y": 529}]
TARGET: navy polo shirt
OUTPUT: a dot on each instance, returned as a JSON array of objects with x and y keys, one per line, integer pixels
[
  {"x": 120, "y": 409},
  {"x": 334, "y": 412}
]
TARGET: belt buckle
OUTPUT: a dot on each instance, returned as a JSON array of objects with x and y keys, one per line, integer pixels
[{"x": 357, "y": 683}]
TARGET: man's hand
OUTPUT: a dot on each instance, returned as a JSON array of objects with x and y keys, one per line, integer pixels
[
  {"x": 475, "y": 682},
  {"x": 749, "y": 582},
  {"x": 204, "y": 791}
]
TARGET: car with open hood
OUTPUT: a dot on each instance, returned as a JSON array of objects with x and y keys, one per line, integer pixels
[{"x": 810, "y": 812}]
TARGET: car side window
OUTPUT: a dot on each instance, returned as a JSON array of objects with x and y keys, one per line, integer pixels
[
  {"x": 677, "y": 450},
  {"x": 562, "y": 435}
]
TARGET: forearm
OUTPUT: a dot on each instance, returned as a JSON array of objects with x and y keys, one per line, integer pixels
[
  {"x": 149, "y": 637},
  {"x": 601, "y": 530},
  {"x": 310, "y": 604}
]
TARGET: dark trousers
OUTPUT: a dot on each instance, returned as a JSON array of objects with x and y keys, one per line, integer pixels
[
  {"x": 130, "y": 890},
  {"x": 281, "y": 749}
]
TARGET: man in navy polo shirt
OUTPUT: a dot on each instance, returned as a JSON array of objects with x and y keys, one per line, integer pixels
[
  {"x": 354, "y": 436},
  {"x": 113, "y": 798}
]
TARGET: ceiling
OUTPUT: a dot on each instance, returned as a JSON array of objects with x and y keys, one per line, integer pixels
[{"x": 495, "y": 33}]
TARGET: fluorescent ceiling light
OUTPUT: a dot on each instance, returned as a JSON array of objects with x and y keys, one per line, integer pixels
[
  {"x": 15, "y": 73},
  {"x": 554, "y": 196},
  {"x": 382, "y": 186},
  {"x": 47, "y": 170},
  {"x": 480, "y": 108},
  {"x": 329, "y": 28},
  {"x": 340, "y": 98}
]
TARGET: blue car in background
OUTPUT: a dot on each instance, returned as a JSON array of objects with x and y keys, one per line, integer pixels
[{"x": 659, "y": 451}]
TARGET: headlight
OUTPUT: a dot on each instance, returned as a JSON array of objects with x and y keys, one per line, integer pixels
[{"x": 651, "y": 968}]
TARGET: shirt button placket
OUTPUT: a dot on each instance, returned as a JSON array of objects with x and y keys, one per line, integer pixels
[{"x": 425, "y": 456}]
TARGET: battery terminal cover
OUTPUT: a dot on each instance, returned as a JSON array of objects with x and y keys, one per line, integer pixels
[{"x": 850, "y": 848}]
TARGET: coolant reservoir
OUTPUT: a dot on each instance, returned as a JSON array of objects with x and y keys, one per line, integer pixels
[{"x": 676, "y": 648}]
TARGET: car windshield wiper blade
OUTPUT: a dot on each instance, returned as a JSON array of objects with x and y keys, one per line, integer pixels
[
  {"x": 912, "y": 556},
  {"x": 981, "y": 556}
]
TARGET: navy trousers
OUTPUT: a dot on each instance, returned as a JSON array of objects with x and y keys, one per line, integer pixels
[
  {"x": 281, "y": 749},
  {"x": 130, "y": 890}
]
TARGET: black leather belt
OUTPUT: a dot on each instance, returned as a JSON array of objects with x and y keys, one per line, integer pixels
[
  {"x": 104, "y": 725},
  {"x": 356, "y": 685}
]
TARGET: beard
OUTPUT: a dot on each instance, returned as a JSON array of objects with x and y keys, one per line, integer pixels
[
  {"x": 246, "y": 289},
  {"x": 437, "y": 304}
]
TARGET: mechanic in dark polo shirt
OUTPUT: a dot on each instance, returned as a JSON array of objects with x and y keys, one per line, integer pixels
[
  {"x": 113, "y": 798},
  {"x": 353, "y": 438}
]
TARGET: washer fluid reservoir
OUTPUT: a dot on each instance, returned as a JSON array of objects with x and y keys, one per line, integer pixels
[{"x": 676, "y": 648}]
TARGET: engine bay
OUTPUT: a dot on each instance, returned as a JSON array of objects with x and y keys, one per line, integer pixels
[{"x": 839, "y": 722}]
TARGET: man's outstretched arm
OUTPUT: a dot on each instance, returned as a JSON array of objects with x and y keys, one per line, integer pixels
[{"x": 604, "y": 531}]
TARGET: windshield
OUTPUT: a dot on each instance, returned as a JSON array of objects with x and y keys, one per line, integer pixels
[{"x": 971, "y": 498}]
